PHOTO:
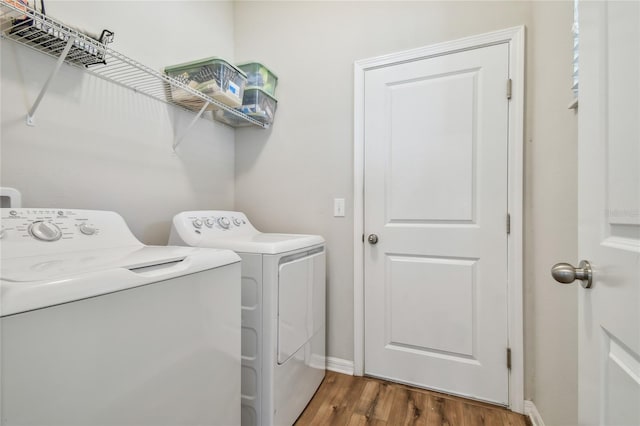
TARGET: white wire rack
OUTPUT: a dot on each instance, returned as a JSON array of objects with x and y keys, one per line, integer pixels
[{"x": 32, "y": 29}]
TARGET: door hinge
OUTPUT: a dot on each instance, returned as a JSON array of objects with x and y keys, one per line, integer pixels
[
  {"x": 363, "y": 238},
  {"x": 509, "y": 84},
  {"x": 509, "y": 358},
  {"x": 508, "y": 223}
]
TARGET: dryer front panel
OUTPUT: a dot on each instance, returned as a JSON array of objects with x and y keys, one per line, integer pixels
[{"x": 301, "y": 300}]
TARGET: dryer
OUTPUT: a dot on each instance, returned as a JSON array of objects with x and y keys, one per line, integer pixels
[
  {"x": 283, "y": 311},
  {"x": 99, "y": 329}
]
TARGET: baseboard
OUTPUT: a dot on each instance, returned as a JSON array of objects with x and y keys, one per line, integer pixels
[
  {"x": 531, "y": 411},
  {"x": 340, "y": 365}
]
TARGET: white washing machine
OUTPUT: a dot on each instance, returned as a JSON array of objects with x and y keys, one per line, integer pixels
[
  {"x": 283, "y": 311},
  {"x": 99, "y": 329}
]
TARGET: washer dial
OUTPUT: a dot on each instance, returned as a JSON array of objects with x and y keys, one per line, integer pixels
[
  {"x": 45, "y": 231},
  {"x": 197, "y": 223},
  {"x": 236, "y": 221},
  {"x": 209, "y": 222}
]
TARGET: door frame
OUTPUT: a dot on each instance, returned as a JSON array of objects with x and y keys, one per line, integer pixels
[{"x": 515, "y": 37}]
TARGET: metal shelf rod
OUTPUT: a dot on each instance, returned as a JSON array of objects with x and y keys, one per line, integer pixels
[
  {"x": 34, "y": 108},
  {"x": 115, "y": 68},
  {"x": 150, "y": 86},
  {"x": 135, "y": 78},
  {"x": 193, "y": 122}
]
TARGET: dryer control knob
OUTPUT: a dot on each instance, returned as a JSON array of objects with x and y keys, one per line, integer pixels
[
  {"x": 45, "y": 231},
  {"x": 236, "y": 221},
  {"x": 197, "y": 223},
  {"x": 224, "y": 222},
  {"x": 86, "y": 229},
  {"x": 209, "y": 222}
]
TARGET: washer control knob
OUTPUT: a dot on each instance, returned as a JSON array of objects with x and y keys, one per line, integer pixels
[
  {"x": 197, "y": 223},
  {"x": 45, "y": 231},
  {"x": 224, "y": 222},
  {"x": 236, "y": 221},
  {"x": 86, "y": 229},
  {"x": 209, "y": 222}
]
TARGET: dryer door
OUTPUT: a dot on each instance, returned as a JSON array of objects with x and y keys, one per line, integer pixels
[{"x": 301, "y": 300}]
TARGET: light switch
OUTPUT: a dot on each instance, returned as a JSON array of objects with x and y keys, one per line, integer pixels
[{"x": 338, "y": 207}]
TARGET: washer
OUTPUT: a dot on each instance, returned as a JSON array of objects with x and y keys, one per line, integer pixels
[
  {"x": 283, "y": 311},
  {"x": 99, "y": 329}
]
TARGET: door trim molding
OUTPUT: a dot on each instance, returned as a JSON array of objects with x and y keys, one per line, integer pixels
[{"x": 515, "y": 37}]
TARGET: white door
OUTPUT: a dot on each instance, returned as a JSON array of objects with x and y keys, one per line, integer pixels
[
  {"x": 609, "y": 215},
  {"x": 436, "y": 133}
]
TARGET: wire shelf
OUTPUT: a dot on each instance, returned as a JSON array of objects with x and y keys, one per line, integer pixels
[{"x": 34, "y": 30}]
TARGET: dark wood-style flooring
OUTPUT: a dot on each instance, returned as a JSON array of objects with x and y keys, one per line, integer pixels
[{"x": 350, "y": 400}]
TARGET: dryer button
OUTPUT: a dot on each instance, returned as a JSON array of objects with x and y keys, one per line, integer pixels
[
  {"x": 224, "y": 222},
  {"x": 86, "y": 229}
]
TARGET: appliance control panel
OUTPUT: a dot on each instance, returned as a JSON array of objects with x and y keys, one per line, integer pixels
[
  {"x": 211, "y": 222},
  {"x": 39, "y": 231}
]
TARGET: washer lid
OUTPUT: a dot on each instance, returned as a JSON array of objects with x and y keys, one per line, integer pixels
[
  {"x": 35, "y": 282},
  {"x": 263, "y": 243}
]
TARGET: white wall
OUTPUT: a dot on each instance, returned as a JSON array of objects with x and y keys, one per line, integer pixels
[
  {"x": 551, "y": 209},
  {"x": 287, "y": 178},
  {"x": 99, "y": 146}
]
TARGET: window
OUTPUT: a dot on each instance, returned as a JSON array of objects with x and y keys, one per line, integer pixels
[{"x": 576, "y": 47}]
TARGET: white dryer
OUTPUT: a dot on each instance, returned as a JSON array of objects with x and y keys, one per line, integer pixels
[
  {"x": 283, "y": 311},
  {"x": 99, "y": 329}
]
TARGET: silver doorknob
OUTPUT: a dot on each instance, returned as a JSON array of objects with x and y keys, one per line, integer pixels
[
  {"x": 566, "y": 274},
  {"x": 373, "y": 239}
]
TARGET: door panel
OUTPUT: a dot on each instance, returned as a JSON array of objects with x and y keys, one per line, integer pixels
[
  {"x": 609, "y": 213},
  {"x": 436, "y": 133},
  {"x": 448, "y": 101},
  {"x": 415, "y": 280}
]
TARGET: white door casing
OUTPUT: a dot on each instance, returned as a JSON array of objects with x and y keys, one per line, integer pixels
[
  {"x": 407, "y": 218},
  {"x": 609, "y": 213}
]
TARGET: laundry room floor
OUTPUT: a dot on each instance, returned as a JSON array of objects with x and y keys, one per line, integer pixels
[{"x": 350, "y": 400}]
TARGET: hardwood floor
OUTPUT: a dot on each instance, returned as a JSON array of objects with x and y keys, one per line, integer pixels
[{"x": 349, "y": 400}]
